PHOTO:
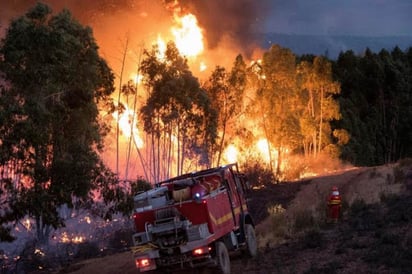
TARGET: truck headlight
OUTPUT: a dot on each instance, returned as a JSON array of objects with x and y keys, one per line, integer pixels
[{"x": 197, "y": 197}]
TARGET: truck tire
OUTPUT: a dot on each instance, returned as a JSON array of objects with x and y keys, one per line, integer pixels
[
  {"x": 251, "y": 242},
  {"x": 222, "y": 258}
]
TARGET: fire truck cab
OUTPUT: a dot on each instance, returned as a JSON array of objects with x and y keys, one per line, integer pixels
[{"x": 193, "y": 220}]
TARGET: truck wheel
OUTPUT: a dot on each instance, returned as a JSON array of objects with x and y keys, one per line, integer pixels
[
  {"x": 222, "y": 257},
  {"x": 251, "y": 243}
]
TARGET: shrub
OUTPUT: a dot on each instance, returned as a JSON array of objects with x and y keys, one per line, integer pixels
[
  {"x": 303, "y": 220},
  {"x": 389, "y": 198},
  {"x": 280, "y": 226},
  {"x": 407, "y": 162},
  {"x": 258, "y": 174},
  {"x": 364, "y": 217},
  {"x": 398, "y": 174},
  {"x": 313, "y": 238},
  {"x": 30, "y": 259},
  {"x": 121, "y": 239},
  {"x": 373, "y": 173},
  {"x": 398, "y": 209},
  {"x": 275, "y": 228},
  {"x": 140, "y": 185},
  {"x": 390, "y": 251},
  {"x": 357, "y": 207}
]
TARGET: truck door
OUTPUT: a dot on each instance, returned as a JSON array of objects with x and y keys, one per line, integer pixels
[{"x": 236, "y": 203}]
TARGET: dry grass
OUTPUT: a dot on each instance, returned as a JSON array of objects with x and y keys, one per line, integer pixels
[{"x": 307, "y": 212}]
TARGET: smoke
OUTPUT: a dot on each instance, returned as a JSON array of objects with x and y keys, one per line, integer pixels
[
  {"x": 225, "y": 21},
  {"x": 238, "y": 20},
  {"x": 83, "y": 10}
]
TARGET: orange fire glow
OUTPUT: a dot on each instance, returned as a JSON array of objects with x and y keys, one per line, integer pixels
[
  {"x": 231, "y": 154},
  {"x": 184, "y": 30},
  {"x": 76, "y": 239},
  {"x": 125, "y": 122},
  {"x": 161, "y": 47},
  {"x": 136, "y": 78},
  {"x": 188, "y": 35},
  {"x": 263, "y": 148}
]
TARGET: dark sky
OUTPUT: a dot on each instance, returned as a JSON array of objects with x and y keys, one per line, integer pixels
[
  {"x": 229, "y": 25},
  {"x": 346, "y": 17},
  {"x": 239, "y": 18},
  {"x": 222, "y": 20}
]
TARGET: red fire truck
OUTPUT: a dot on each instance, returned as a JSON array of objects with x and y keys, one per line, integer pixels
[{"x": 193, "y": 221}]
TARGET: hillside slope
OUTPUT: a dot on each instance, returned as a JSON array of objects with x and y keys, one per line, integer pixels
[{"x": 374, "y": 234}]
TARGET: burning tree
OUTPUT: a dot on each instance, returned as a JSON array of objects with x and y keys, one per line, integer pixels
[
  {"x": 226, "y": 91},
  {"x": 177, "y": 115},
  {"x": 278, "y": 100},
  {"x": 318, "y": 89},
  {"x": 50, "y": 131}
]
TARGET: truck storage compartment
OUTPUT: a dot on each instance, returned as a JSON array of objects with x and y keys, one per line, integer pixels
[{"x": 151, "y": 199}]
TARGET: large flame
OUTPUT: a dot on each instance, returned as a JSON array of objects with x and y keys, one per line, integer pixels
[
  {"x": 128, "y": 127},
  {"x": 161, "y": 44},
  {"x": 231, "y": 154},
  {"x": 188, "y": 35},
  {"x": 263, "y": 149}
]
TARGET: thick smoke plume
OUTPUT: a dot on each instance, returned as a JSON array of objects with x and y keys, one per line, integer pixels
[{"x": 237, "y": 21}]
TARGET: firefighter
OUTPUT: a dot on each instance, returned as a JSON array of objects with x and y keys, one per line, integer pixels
[{"x": 334, "y": 205}]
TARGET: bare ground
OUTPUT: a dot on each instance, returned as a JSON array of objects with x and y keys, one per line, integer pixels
[{"x": 372, "y": 239}]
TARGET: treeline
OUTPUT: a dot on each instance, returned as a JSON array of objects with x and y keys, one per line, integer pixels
[
  {"x": 287, "y": 102},
  {"x": 356, "y": 108},
  {"x": 376, "y": 105}
]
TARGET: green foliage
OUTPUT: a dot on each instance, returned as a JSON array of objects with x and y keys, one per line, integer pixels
[
  {"x": 375, "y": 101},
  {"x": 54, "y": 84}
]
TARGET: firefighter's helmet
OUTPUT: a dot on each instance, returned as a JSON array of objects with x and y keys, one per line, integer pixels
[{"x": 335, "y": 191}]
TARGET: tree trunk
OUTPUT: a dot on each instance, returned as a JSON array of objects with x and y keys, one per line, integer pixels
[
  {"x": 320, "y": 121},
  {"x": 221, "y": 145},
  {"x": 118, "y": 103},
  {"x": 42, "y": 231}
]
